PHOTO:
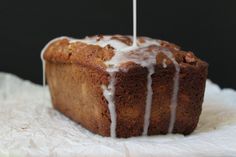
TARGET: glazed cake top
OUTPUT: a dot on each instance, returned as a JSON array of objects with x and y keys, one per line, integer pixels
[{"x": 116, "y": 50}]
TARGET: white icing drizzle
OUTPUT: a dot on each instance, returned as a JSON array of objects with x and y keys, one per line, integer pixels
[
  {"x": 134, "y": 23},
  {"x": 164, "y": 63},
  {"x": 174, "y": 97},
  {"x": 106, "y": 40},
  {"x": 141, "y": 57},
  {"x": 147, "y": 114},
  {"x": 42, "y": 59},
  {"x": 109, "y": 93}
]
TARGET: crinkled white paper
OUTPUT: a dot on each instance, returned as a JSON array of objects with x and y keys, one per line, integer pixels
[{"x": 29, "y": 126}]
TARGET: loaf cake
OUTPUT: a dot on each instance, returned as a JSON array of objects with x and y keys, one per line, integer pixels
[{"x": 115, "y": 89}]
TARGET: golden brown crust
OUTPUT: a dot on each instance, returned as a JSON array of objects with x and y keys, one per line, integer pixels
[
  {"x": 62, "y": 51},
  {"x": 75, "y": 73}
]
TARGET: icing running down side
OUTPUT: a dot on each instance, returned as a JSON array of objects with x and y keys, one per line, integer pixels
[
  {"x": 109, "y": 93},
  {"x": 141, "y": 57},
  {"x": 42, "y": 53},
  {"x": 147, "y": 115},
  {"x": 174, "y": 97},
  {"x": 143, "y": 54}
]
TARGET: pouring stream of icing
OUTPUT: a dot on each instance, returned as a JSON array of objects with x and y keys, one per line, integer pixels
[{"x": 134, "y": 23}]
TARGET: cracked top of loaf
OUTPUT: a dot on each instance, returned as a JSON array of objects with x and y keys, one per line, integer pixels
[{"x": 95, "y": 51}]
